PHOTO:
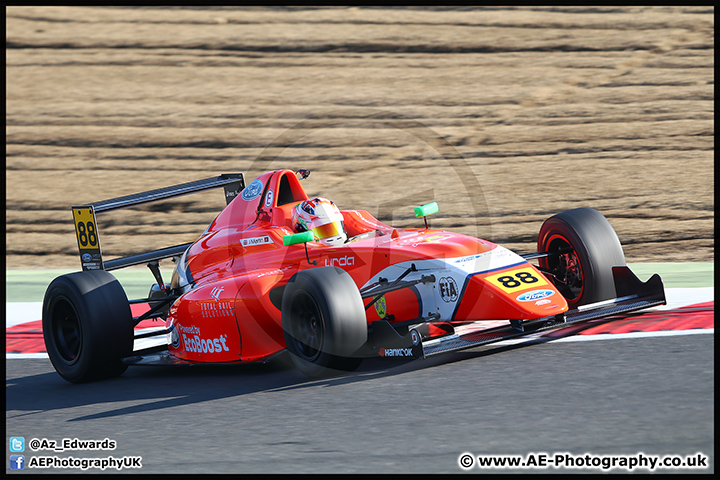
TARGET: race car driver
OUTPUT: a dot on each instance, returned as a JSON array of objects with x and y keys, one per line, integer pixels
[{"x": 320, "y": 216}]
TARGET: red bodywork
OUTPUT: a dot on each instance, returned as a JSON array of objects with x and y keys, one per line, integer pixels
[{"x": 233, "y": 275}]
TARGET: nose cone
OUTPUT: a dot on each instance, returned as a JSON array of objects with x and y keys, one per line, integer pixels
[{"x": 519, "y": 292}]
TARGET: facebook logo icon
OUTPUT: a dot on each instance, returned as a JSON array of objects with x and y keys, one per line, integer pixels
[{"x": 17, "y": 462}]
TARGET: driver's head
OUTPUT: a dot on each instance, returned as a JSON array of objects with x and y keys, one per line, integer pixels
[{"x": 322, "y": 217}]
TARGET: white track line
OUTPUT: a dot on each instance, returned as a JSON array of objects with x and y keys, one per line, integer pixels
[{"x": 18, "y": 313}]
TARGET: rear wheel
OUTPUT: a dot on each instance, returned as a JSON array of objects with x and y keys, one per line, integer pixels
[
  {"x": 587, "y": 248},
  {"x": 323, "y": 321},
  {"x": 87, "y": 326}
]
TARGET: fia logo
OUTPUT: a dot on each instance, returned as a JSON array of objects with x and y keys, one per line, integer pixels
[
  {"x": 215, "y": 293},
  {"x": 448, "y": 289}
]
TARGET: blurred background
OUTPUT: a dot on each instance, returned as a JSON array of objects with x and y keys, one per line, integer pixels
[{"x": 503, "y": 115}]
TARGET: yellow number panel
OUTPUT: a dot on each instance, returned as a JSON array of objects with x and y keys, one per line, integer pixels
[
  {"x": 516, "y": 280},
  {"x": 87, "y": 237}
]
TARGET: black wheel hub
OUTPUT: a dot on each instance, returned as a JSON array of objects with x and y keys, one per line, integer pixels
[
  {"x": 569, "y": 268},
  {"x": 308, "y": 328},
  {"x": 66, "y": 330},
  {"x": 566, "y": 270}
]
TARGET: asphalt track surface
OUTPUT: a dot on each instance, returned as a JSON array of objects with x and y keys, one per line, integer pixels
[
  {"x": 650, "y": 395},
  {"x": 606, "y": 395}
]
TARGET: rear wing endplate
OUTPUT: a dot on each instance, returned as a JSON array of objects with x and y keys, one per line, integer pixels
[{"x": 86, "y": 226}]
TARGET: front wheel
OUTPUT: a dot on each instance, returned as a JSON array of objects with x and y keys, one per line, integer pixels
[
  {"x": 87, "y": 326},
  {"x": 585, "y": 247},
  {"x": 324, "y": 322}
]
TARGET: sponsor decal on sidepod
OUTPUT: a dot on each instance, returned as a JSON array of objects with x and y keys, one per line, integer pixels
[
  {"x": 252, "y": 191},
  {"x": 194, "y": 343}
]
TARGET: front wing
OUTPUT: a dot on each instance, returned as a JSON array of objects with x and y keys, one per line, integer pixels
[{"x": 633, "y": 295}]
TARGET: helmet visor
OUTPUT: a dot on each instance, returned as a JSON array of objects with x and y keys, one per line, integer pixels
[{"x": 328, "y": 230}]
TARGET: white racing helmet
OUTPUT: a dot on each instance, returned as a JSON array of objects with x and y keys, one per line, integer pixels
[{"x": 322, "y": 217}]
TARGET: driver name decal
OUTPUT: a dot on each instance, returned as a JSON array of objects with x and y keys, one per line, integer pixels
[{"x": 250, "y": 242}]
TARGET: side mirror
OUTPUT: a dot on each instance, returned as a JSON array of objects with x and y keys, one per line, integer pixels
[
  {"x": 295, "y": 238},
  {"x": 302, "y": 237},
  {"x": 425, "y": 210}
]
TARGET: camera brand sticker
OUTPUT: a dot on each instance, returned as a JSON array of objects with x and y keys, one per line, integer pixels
[
  {"x": 534, "y": 295},
  {"x": 252, "y": 191}
]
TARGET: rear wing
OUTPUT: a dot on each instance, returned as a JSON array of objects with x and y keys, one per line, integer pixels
[{"x": 87, "y": 232}]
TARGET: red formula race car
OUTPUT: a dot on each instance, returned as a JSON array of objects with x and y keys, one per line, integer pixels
[{"x": 264, "y": 279}]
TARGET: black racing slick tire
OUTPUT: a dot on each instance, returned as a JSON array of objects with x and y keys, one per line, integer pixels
[
  {"x": 324, "y": 322},
  {"x": 87, "y": 326},
  {"x": 587, "y": 248}
]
